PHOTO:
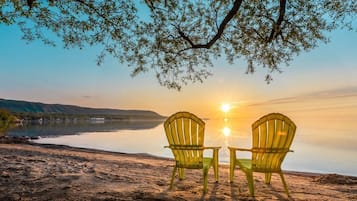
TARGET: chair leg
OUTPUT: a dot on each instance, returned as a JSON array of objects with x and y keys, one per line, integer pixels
[
  {"x": 181, "y": 172},
  {"x": 215, "y": 168},
  {"x": 284, "y": 183},
  {"x": 267, "y": 178},
  {"x": 172, "y": 177},
  {"x": 215, "y": 164},
  {"x": 232, "y": 164},
  {"x": 250, "y": 183},
  {"x": 205, "y": 176},
  {"x": 231, "y": 172}
]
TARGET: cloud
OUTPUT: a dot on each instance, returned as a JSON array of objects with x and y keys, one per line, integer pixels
[
  {"x": 324, "y": 94},
  {"x": 334, "y": 93}
]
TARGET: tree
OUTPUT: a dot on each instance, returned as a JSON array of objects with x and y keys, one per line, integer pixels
[
  {"x": 6, "y": 117},
  {"x": 178, "y": 40}
]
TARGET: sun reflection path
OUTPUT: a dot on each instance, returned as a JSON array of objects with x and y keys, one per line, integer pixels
[
  {"x": 226, "y": 134},
  {"x": 225, "y": 108},
  {"x": 226, "y": 131}
]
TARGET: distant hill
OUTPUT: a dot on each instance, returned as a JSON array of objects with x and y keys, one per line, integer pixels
[{"x": 33, "y": 108}]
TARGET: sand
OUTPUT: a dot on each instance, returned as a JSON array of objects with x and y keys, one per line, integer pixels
[{"x": 52, "y": 172}]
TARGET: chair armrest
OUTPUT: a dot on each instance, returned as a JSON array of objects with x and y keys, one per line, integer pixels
[
  {"x": 238, "y": 149},
  {"x": 215, "y": 152},
  {"x": 214, "y": 148},
  {"x": 271, "y": 150},
  {"x": 233, "y": 151},
  {"x": 184, "y": 147}
]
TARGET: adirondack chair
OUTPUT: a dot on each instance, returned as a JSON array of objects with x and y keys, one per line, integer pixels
[
  {"x": 185, "y": 135},
  {"x": 272, "y": 137}
]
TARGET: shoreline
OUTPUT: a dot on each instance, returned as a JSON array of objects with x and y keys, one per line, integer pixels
[
  {"x": 31, "y": 171},
  {"x": 28, "y": 140}
]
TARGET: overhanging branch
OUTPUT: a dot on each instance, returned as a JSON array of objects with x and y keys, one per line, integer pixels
[
  {"x": 222, "y": 26},
  {"x": 276, "y": 26}
]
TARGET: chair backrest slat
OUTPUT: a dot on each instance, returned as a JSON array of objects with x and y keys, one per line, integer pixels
[{"x": 194, "y": 133}]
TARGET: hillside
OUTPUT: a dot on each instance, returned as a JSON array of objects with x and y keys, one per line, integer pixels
[{"x": 35, "y": 108}]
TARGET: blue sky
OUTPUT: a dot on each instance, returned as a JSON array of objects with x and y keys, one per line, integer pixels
[{"x": 35, "y": 72}]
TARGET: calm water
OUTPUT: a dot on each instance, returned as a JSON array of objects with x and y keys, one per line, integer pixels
[{"x": 328, "y": 148}]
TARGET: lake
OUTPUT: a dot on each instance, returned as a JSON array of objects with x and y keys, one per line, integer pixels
[{"x": 321, "y": 148}]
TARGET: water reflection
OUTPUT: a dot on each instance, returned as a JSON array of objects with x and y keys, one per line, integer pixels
[
  {"x": 150, "y": 141},
  {"x": 316, "y": 149},
  {"x": 4, "y": 127},
  {"x": 226, "y": 131},
  {"x": 57, "y": 129}
]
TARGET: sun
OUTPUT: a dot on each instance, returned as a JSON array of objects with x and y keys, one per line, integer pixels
[{"x": 225, "y": 107}]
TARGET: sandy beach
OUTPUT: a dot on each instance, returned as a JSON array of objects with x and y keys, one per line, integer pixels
[{"x": 51, "y": 172}]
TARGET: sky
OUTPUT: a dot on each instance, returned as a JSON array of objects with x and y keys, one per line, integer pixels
[{"x": 325, "y": 77}]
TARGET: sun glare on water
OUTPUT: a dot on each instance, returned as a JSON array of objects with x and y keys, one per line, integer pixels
[{"x": 226, "y": 131}]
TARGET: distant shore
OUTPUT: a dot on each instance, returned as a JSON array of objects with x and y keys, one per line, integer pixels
[{"x": 54, "y": 172}]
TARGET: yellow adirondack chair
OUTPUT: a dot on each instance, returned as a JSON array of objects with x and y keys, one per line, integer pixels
[
  {"x": 272, "y": 137},
  {"x": 185, "y": 134}
]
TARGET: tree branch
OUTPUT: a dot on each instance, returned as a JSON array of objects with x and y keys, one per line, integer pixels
[
  {"x": 222, "y": 26},
  {"x": 89, "y": 5},
  {"x": 276, "y": 26}
]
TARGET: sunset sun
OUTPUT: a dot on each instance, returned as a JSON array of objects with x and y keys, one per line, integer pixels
[{"x": 225, "y": 107}]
